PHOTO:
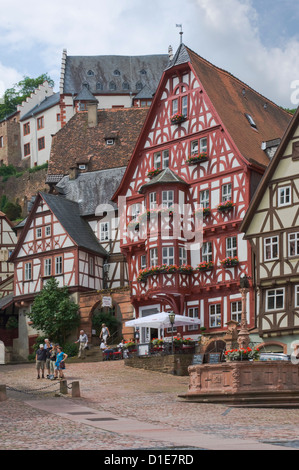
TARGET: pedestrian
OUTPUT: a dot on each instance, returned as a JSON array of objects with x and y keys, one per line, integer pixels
[
  {"x": 137, "y": 335},
  {"x": 48, "y": 348},
  {"x": 104, "y": 333},
  {"x": 40, "y": 359},
  {"x": 60, "y": 364},
  {"x": 53, "y": 355},
  {"x": 83, "y": 343}
]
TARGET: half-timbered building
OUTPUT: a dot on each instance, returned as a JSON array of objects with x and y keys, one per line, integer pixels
[
  {"x": 200, "y": 150},
  {"x": 271, "y": 225}
]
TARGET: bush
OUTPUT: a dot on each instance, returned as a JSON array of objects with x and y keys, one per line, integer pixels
[{"x": 70, "y": 349}]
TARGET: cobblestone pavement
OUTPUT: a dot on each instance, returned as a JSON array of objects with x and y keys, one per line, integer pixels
[{"x": 129, "y": 393}]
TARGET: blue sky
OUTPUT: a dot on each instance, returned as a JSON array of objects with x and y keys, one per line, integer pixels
[{"x": 256, "y": 40}]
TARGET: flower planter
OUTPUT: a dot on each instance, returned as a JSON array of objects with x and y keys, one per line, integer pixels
[
  {"x": 177, "y": 118},
  {"x": 226, "y": 206},
  {"x": 205, "y": 266},
  {"x": 199, "y": 158},
  {"x": 230, "y": 262},
  {"x": 154, "y": 172}
]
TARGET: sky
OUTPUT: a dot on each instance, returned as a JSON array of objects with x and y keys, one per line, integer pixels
[{"x": 255, "y": 40}]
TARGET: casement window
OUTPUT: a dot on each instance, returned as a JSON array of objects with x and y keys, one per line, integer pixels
[
  {"x": 40, "y": 123},
  {"x": 143, "y": 262},
  {"x": 227, "y": 192},
  {"x": 193, "y": 313},
  {"x": 58, "y": 117},
  {"x": 199, "y": 146},
  {"x": 135, "y": 210},
  {"x": 180, "y": 106},
  {"x": 26, "y": 150},
  {"x": 236, "y": 311},
  {"x": 28, "y": 272},
  {"x": 41, "y": 143},
  {"x": 167, "y": 198},
  {"x": 39, "y": 232},
  {"x": 284, "y": 196},
  {"x": 207, "y": 252},
  {"x": 168, "y": 255},
  {"x": 297, "y": 296},
  {"x": 231, "y": 247},
  {"x": 182, "y": 255},
  {"x": 175, "y": 106},
  {"x": 161, "y": 159},
  {"x": 58, "y": 265},
  {"x": 185, "y": 106},
  {"x": 153, "y": 256},
  {"x": 294, "y": 244},
  {"x": 91, "y": 265},
  {"x": 26, "y": 128},
  {"x": 48, "y": 230},
  {"x": 48, "y": 267},
  {"x": 152, "y": 200},
  {"x": 271, "y": 248},
  {"x": 104, "y": 231},
  {"x": 204, "y": 198},
  {"x": 1, "y": 142},
  {"x": 215, "y": 315},
  {"x": 275, "y": 299}
]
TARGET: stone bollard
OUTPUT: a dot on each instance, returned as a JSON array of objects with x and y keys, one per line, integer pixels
[
  {"x": 3, "y": 392},
  {"x": 75, "y": 390},
  {"x": 63, "y": 387}
]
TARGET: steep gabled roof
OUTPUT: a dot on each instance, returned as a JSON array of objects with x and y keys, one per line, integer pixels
[
  {"x": 269, "y": 172},
  {"x": 67, "y": 213},
  {"x": 166, "y": 176}
]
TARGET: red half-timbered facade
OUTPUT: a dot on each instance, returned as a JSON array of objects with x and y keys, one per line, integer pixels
[{"x": 186, "y": 190}]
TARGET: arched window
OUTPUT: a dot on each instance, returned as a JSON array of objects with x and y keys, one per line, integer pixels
[
  {"x": 139, "y": 86},
  {"x": 116, "y": 73},
  {"x": 126, "y": 86},
  {"x": 99, "y": 86},
  {"x": 112, "y": 86},
  {"x": 90, "y": 73}
]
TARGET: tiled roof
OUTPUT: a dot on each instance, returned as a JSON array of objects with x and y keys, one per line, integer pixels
[
  {"x": 232, "y": 99},
  {"x": 76, "y": 140}
]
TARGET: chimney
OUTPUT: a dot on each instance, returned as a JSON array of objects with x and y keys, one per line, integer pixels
[{"x": 92, "y": 114}]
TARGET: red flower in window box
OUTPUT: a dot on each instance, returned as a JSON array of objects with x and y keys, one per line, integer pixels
[
  {"x": 153, "y": 172},
  {"x": 177, "y": 118}
]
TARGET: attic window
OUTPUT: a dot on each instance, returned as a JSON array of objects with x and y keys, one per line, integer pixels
[
  {"x": 112, "y": 86},
  {"x": 82, "y": 166},
  {"x": 110, "y": 141},
  {"x": 143, "y": 72},
  {"x": 251, "y": 121},
  {"x": 126, "y": 86},
  {"x": 116, "y": 73},
  {"x": 90, "y": 73},
  {"x": 99, "y": 86},
  {"x": 139, "y": 86}
]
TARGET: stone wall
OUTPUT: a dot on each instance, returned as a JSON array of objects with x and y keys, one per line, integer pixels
[{"x": 176, "y": 364}]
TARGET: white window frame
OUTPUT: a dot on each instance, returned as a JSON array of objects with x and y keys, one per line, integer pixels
[
  {"x": 168, "y": 255},
  {"x": 204, "y": 198},
  {"x": 207, "y": 252},
  {"x": 193, "y": 313},
  {"x": 175, "y": 106},
  {"x": 275, "y": 294},
  {"x": 48, "y": 267},
  {"x": 28, "y": 272},
  {"x": 48, "y": 230},
  {"x": 135, "y": 210},
  {"x": 157, "y": 160},
  {"x": 153, "y": 252},
  {"x": 293, "y": 238},
  {"x": 152, "y": 200},
  {"x": 185, "y": 105},
  {"x": 226, "y": 192},
  {"x": 104, "y": 231},
  {"x": 284, "y": 196},
  {"x": 161, "y": 159},
  {"x": 297, "y": 296},
  {"x": 182, "y": 255},
  {"x": 215, "y": 319},
  {"x": 236, "y": 310},
  {"x": 270, "y": 245},
  {"x": 143, "y": 263},
  {"x": 39, "y": 232},
  {"x": 231, "y": 247},
  {"x": 58, "y": 265},
  {"x": 203, "y": 145},
  {"x": 167, "y": 198}
]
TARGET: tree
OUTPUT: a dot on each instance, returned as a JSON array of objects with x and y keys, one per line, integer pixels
[
  {"x": 19, "y": 92},
  {"x": 13, "y": 211},
  {"x": 54, "y": 313}
]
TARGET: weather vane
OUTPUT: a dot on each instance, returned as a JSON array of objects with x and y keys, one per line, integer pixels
[{"x": 181, "y": 32}]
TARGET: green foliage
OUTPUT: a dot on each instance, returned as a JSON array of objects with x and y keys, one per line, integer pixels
[
  {"x": 3, "y": 201},
  {"x": 110, "y": 321},
  {"x": 7, "y": 170},
  {"x": 13, "y": 211},
  {"x": 54, "y": 312},
  {"x": 19, "y": 92},
  {"x": 12, "y": 323}
]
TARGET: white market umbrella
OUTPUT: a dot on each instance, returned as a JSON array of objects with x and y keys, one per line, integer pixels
[{"x": 161, "y": 320}]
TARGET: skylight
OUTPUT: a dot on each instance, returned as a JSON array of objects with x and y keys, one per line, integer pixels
[{"x": 251, "y": 121}]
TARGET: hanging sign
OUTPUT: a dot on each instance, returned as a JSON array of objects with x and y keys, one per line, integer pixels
[{"x": 106, "y": 301}]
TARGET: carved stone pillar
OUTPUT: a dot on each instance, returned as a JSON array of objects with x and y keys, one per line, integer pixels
[{"x": 243, "y": 335}]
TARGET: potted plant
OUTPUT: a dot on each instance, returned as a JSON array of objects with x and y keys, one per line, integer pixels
[
  {"x": 177, "y": 118},
  {"x": 226, "y": 206},
  {"x": 153, "y": 172},
  {"x": 197, "y": 158},
  {"x": 185, "y": 269},
  {"x": 230, "y": 262},
  {"x": 205, "y": 266}
]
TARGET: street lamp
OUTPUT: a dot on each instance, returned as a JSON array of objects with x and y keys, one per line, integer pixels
[{"x": 171, "y": 319}]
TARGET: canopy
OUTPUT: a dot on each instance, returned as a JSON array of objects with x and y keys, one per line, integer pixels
[{"x": 161, "y": 320}]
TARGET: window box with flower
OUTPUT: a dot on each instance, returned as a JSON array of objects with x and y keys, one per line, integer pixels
[
  {"x": 204, "y": 211},
  {"x": 230, "y": 261},
  {"x": 242, "y": 354},
  {"x": 177, "y": 118},
  {"x": 198, "y": 158},
  {"x": 153, "y": 172},
  {"x": 226, "y": 206},
  {"x": 163, "y": 269},
  {"x": 205, "y": 266}
]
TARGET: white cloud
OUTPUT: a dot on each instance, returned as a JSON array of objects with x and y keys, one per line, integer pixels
[{"x": 8, "y": 77}]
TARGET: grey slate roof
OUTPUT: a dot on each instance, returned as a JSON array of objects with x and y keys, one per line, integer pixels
[
  {"x": 165, "y": 177},
  {"x": 85, "y": 95},
  {"x": 91, "y": 189},
  {"x": 180, "y": 57},
  {"x": 6, "y": 301},
  {"x": 145, "y": 93},
  {"x": 67, "y": 212},
  {"x": 100, "y": 71},
  {"x": 48, "y": 102}
]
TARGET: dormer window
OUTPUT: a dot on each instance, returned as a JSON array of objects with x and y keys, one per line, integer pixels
[
  {"x": 82, "y": 166},
  {"x": 116, "y": 73},
  {"x": 109, "y": 141},
  {"x": 139, "y": 86},
  {"x": 143, "y": 72},
  {"x": 90, "y": 73},
  {"x": 112, "y": 86},
  {"x": 99, "y": 86},
  {"x": 126, "y": 86},
  {"x": 251, "y": 121}
]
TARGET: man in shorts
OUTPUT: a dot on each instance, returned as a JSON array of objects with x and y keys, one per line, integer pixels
[{"x": 40, "y": 359}]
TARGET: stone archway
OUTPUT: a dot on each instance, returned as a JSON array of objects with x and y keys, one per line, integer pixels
[{"x": 89, "y": 301}]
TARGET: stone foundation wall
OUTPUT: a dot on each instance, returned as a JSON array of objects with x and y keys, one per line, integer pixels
[{"x": 176, "y": 364}]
